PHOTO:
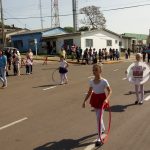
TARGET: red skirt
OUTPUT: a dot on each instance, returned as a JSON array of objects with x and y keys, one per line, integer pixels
[{"x": 97, "y": 100}]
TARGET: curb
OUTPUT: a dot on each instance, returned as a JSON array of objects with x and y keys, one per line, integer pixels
[
  {"x": 110, "y": 62},
  {"x": 74, "y": 62}
]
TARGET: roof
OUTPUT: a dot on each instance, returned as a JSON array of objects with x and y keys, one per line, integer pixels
[
  {"x": 54, "y": 32},
  {"x": 136, "y": 36},
  {"x": 43, "y": 31},
  {"x": 109, "y": 31},
  {"x": 62, "y": 35}
]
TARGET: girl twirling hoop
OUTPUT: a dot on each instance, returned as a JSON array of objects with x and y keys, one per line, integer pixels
[
  {"x": 98, "y": 97},
  {"x": 63, "y": 70}
]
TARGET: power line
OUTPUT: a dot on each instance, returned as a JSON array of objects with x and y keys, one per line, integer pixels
[
  {"x": 112, "y": 9},
  {"x": 18, "y": 20},
  {"x": 127, "y": 7}
]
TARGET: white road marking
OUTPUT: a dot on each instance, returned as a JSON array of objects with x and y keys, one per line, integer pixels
[
  {"x": 147, "y": 98},
  {"x": 116, "y": 70},
  {"x": 52, "y": 87},
  {"x": 124, "y": 78},
  {"x": 13, "y": 123},
  {"x": 91, "y": 77}
]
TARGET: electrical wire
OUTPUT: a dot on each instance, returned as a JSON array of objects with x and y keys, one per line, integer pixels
[
  {"x": 15, "y": 19},
  {"x": 112, "y": 9}
]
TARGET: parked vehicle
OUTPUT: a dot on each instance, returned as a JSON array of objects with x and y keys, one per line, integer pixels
[{"x": 11, "y": 48}]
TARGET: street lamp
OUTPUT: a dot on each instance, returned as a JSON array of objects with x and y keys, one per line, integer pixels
[{"x": 35, "y": 42}]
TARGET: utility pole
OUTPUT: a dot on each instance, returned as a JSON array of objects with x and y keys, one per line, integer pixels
[
  {"x": 55, "y": 14},
  {"x": 75, "y": 16},
  {"x": 41, "y": 14},
  {"x": 2, "y": 23}
]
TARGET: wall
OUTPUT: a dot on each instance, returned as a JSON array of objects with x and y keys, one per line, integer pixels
[
  {"x": 60, "y": 41},
  {"x": 100, "y": 39},
  {"x": 25, "y": 38}
]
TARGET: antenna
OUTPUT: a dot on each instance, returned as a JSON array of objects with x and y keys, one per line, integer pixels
[{"x": 54, "y": 14}]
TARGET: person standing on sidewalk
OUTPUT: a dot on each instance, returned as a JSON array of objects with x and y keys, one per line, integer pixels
[
  {"x": 3, "y": 67},
  {"x": 30, "y": 56}
]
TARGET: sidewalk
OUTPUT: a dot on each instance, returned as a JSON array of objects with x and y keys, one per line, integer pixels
[
  {"x": 45, "y": 60},
  {"x": 56, "y": 58}
]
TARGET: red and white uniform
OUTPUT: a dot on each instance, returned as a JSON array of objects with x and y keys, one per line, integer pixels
[
  {"x": 98, "y": 96},
  {"x": 97, "y": 99}
]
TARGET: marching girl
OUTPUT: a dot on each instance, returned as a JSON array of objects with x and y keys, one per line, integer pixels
[
  {"x": 98, "y": 97},
  {"x": 137, "y": 73},
  {"x": 63, "y": 70}
]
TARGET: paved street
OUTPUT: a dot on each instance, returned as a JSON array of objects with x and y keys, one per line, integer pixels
[{"x": 37, "y": 114}]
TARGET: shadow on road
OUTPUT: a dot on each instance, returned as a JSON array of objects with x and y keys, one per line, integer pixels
[
  {"x": 120, "y": 108},
  {"x": 48, "y": 68},
  {"x": 67, "y": 144},
  {"x": 133, "y": 92},
  {"x": 44, "y": 86}
]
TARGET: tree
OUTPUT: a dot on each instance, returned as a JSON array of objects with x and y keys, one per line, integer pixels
[
  {"x": 8, "y": 26},
  {"x": 84, "y": 28},
  {"x": 69, "y": 29},
  {"x": 94, "y": 18}
]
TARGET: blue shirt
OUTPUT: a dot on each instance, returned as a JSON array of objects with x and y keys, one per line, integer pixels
[{"x": 3, "y": 61}]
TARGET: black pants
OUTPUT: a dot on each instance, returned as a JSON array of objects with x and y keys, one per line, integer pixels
[
  {"x": 28, "y": 68},
  {"x": 15, "y": 69}
]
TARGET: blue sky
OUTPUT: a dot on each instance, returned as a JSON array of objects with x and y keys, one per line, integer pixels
[{"x": 134, "y": 20}]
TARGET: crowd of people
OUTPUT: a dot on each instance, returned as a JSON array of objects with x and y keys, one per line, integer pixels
[
  {"x": 91, "y": 56},
  {"x": 11, "y": 58}
]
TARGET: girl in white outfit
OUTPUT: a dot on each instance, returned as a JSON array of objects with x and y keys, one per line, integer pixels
[
  {"x": 98, "y": 97},
  {"x": 139, "y": 87},
  {"x": 63, "y": 70}
]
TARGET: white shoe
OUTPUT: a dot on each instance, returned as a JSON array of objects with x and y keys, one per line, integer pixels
[{"x": 141, "y": 102}]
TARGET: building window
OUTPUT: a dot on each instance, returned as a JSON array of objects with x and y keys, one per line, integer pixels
[
  {"x": 68, "y": 43},
  {"x": 120, "y": 43},
  {"x": 18, "y": 44},
  {"x": 109, "y": 42},
  {"x": 116, "y": 41},
  {"x": 89, "y": 42},
  {"x": 31, "y": 42}
]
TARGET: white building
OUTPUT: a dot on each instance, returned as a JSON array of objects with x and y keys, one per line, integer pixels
[{"x": 97, "y": 39}]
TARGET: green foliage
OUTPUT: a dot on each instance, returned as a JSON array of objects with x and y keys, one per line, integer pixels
[
  {"x": 8, "y": 26},
  {"x": 93, "y": 17},
  {"x": 84, "y": 28},
  {"x": 69, "y": 29}
]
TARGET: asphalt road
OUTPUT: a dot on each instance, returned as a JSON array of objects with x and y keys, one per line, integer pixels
[{"x": 37, "y": 114}]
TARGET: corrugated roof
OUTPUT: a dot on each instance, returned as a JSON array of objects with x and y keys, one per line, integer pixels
[
  {"x": 40, "y": 31},
  {"x": 136, "y": 36},
  {"x": 109, "y": 31}
]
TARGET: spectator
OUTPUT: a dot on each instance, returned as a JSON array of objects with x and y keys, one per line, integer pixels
[
  {"x": 9, "y": 59},
  {"x": 28, "y": 65},
  {"x": 30, "y": 56},
  {"x": 3, "y": 67},
  {"x": 15, "y": 63}
]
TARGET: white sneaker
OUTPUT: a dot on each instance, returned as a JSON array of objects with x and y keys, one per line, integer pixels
[{"x": 141, "y": 102}]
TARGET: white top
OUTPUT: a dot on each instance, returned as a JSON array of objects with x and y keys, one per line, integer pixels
[
  {"x": 28, "y": 62},
  {"x": 100, "y": 87},
  {"x": 63, "y": 64}
]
